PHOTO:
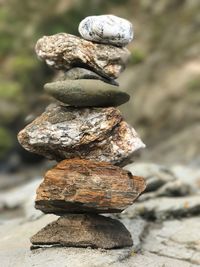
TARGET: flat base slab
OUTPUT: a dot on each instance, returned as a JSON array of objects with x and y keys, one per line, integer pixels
[{"x": 83, "y": 230}]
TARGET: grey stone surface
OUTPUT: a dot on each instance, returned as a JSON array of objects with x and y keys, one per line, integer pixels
[
  {"x": 178, "y": 239},
  {"x": 155, "y": 175},
  {"x": 86, "y": 93},
  {"x": 177, "y": 180},
  {"x": 15, "y": 247},
  {"x": 163, "y": 208},
  {"x": 19, "y": 201},
  {"x": 159, "y": 243}
]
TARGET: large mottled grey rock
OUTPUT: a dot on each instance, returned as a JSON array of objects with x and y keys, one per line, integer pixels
[
  {"x": 65, "y": 51},
  {"x": 84, "y": 230},
  {"x": 86, "y": 93},
  {"x": 108, "y": 29},
  {"x": 97, "y": 133}
]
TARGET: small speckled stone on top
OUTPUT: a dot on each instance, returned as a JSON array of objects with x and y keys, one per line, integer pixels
[{"x": 107, "y": 29}]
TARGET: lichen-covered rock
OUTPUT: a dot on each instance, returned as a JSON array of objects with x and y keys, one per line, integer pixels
[
  {"x": 86, "y": 93},
  {"x": 79, "y": 186},
  {"x": 65, "y": 51},
  {"x": 108, "y": 29},
  {"x": 92, "y": 133},
  {"x": 84, "y": 230}
]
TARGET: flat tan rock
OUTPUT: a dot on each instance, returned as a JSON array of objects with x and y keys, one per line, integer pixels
[
  {"x": 78, "y": 186},
  {"x": 84, "y": 230},
  {"x": 65, "y": 51}
]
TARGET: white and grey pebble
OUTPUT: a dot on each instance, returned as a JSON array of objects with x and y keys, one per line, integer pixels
[{"x": 107, "y": 29}]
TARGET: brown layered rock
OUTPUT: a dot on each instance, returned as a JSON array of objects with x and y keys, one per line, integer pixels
[
  {"x": 78, "y": 186},
  {"x": 83, "y": 230},
  {"x": 65, "y": 51},
  {"x": 92, "y": 133}
]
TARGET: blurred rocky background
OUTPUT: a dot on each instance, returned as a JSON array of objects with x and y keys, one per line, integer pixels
[{"x": 163, "y": 79}]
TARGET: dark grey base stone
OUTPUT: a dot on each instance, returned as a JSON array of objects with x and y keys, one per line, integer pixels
[{"x": 83, "y": 230}]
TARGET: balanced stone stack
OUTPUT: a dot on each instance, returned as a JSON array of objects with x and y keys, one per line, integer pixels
[{"x": 88, "y": 137}]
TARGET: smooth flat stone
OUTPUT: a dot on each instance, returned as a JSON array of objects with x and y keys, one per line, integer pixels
[
  {"x": 86, "y": 93},
  {"x": 64, "y": 51},
  {"x": 79, "y": 186},
  {"x": 98, "y": 134},
  {"x": 108, "y": 29},
  {"x": 81, "y": 73},
  {"x": 84, "y": 230}
]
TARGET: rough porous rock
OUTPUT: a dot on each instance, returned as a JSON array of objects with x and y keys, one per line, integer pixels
[
  {"x": 84, "y": 231},
  {"x": 78, "y": 186},
  {"x": 96, "y": 133},
  {"x": 81, "y": 73},
  {"x": 86, "y": 93},
  {"x": 107, "y": 29},
  {"x": 65, "y": 51}
]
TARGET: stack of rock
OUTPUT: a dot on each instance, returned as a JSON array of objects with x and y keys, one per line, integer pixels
[{"x": 85, "y": 132}]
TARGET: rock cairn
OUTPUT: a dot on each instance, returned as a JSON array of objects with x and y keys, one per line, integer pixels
[{"x": 85, "y": 132}]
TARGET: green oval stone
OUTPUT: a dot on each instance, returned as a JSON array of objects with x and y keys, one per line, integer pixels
[{"x": 86, "y": 93}]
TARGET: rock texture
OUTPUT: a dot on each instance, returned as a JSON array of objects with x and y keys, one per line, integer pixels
[
  {"x": 81, "y": 73},
  {"x": 163, "y": 208},
  {"x": 78, "y": 186},
  {"x": 169, "y": 243},
  {"x": 96, "y": 133},
  {"x": 170, "y": 193},
  {"x": 84, "y": 230},
  {"x": 65, "y": 51},
  {"x": 86, "y": 93},
  {"x": 107, "y": 29}
]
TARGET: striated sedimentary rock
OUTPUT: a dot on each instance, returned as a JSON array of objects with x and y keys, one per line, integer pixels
[
  {"x": 65, "y": 51},
  {"x": 84, "y": 230},
  {"x": 108, "y": 29},
  {"x": 78, "y": 186},
  {"x": 96, "y": 133},
  {"x": 86, "y": 93}
]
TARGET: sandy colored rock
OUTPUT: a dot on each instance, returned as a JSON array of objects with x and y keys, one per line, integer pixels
[
  {"x": 78, "y": 186},
  {"x": 97, "y": 133},
  {"x": 86, "y": 93},
  {"x": 84, "y": 231},
  {"x": 65, "y": 51}
]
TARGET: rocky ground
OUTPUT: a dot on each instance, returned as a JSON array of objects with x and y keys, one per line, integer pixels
[{"x": 164, "y": 224}]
